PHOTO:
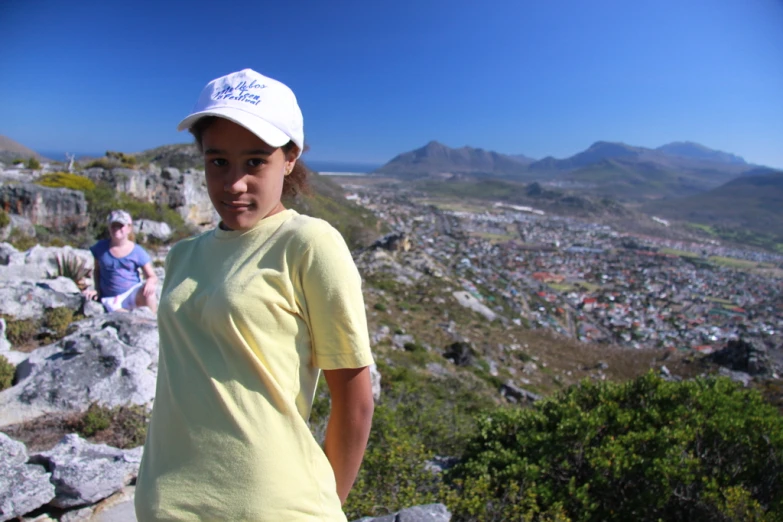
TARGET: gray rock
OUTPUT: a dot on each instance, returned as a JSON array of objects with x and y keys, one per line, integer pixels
[
  {"x": 84, "y": 473},
  {"x": 740, "y": 377},
  {"x": 29, "y": 299},
  {"x": 425, "y": 513},
  {"x": 111, "y": 360},
  {"x": 467, "y": 300},
  {"x": 400, "y": 340},
  {"x": 6, "y": 250},
  {"x": 54, "y": 208},
  {"x": 37, "y": 263},
  {"x": 23, "y": 225},
  {"x": 375, "y": 379},
  {"x": 515, "y": 393},
  {"x": 145, "y": 228},
  {"x": 23, "y": 487}
]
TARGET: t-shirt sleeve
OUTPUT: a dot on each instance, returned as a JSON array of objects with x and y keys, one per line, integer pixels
[
  {"x": 142, "y": 257},
  {"x": 97, "y": 249},
  {"x": 334, "y": 305}
]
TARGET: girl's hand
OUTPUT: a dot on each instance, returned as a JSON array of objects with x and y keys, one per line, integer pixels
[
  {"x": 90, "y": 294},
  {"x": 149, "y": 288}
]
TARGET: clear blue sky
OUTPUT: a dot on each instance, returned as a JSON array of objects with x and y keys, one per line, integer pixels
[{"x": 378, "y": 78}]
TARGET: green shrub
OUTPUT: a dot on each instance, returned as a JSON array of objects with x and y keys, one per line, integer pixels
[
  {"x": 21, "y": 241},
  {"x": 20, "y": 331},
  {"x": 58, "y": 320},
  {"x": 66, "y": 180},
  {"x": 33, "y": 164},
  {"x": 121, "y": 427},
  {"x": 96, "y": 418},
  {"x": 380, "y": 307},
  {"x": 5, "y": 219},
  {"x": 7, "y": 371},
  {"x": 648, "y": 449}
]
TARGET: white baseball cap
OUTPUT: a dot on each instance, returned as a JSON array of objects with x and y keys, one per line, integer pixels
[
  {"x": 264, "y": 106},
  {"x": 119, "y": 216}
]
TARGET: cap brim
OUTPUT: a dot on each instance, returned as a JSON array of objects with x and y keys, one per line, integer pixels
[{"x": 266, "y": 131}]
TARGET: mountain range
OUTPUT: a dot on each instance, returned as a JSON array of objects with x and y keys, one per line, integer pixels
[{"x": 607, "y": 168}]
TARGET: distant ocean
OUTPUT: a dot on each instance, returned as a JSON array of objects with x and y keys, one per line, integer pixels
[{"x": 335, "y": 168}]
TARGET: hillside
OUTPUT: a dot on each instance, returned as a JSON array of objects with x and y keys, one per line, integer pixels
[
  {"x": 748, "y": 204},
  {"x": 11, "y": 150},
  {"x": 605, "y": 168},
  {"x": 438, "y": 160}
]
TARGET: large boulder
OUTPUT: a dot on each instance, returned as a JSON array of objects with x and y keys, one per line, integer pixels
[
  {"x": 54, "y": 208},
  {"x": 185, "y": 192},
  {"x": 146, "y": 228},
  {"x": 109, "y": 359},
  {"x": 29, "y": 299},
  {"x": 38, "y": 262},
  {"x": 24, "y": 487},
  {"x": 84, "y": 473}
]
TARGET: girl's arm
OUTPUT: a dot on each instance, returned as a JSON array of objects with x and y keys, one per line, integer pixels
[
  {"x": 349, "y": 424},
  {"x": 150, "y": 279},
  {"x": 96, "y": 280}
]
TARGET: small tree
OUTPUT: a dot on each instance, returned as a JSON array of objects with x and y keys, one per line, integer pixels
[{"x": 33, "y": 164}]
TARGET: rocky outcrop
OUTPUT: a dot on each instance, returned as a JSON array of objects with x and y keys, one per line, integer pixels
[
  {"x": 425, "y": 513},
  {"x": 744, "y": 355},
  {"x": 84, "y": 473},
  {"x": 110, "y": 360},
  {"x": 145, "y": 229},
  {"x": 24, "y": 487},
  {"x": 57, "y": 209},
  {"x": 186, "y": 192}
]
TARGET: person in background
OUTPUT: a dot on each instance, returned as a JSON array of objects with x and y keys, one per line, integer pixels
[
  {"x": 251, "y": 312},
  {"x": 116, "y": 269}
]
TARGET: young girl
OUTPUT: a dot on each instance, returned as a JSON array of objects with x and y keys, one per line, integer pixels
[
  {"x": 116, "y": 269},
  {"x": 250, "y": 313}
]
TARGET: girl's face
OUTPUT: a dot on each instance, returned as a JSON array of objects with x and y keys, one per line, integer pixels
[
  {"x": 119, "y": 232},
  {"x": 244, "y": 175}
]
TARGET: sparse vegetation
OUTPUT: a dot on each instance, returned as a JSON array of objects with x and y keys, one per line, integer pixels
[
  {"x": 66, "y": 180},
  {"x": 114, "y": 159},
  {"x": 7, "y": 371},
  {"x": 33, "y": 164},
  {"x": 5, "y": 219},
  {"x": 121, "y": 427},
  {"x": 28, "y": 334}
]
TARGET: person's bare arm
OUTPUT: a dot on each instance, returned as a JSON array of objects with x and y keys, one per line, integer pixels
[
  {"x": 349, "y": 424},
  {"x": 150, "y": 279},
  {"x": 96, "y": 280}
]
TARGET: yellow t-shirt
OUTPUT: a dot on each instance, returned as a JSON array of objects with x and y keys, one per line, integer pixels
[{"x": 246, "y": 321}]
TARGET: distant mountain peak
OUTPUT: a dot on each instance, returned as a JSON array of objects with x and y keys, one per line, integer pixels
[{"x": 697, "y": 151}]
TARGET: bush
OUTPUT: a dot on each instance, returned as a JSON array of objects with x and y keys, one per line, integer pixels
[
  {"x": 33, "y": 164},
  {"x": 58, "y": 320},
  {"x": 644, "y": 450},
  {"x": 121, "y": 427},
  {"x": 20, "y": 331},
  {"x": 96, "y": 418},
  {"x": 7, "y": 371},
  {"x": 5, "y": 219},
  {"x": 66, "y": 180}
]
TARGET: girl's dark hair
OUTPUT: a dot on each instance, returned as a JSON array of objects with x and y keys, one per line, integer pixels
[{"x": 294, "y": 183}]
